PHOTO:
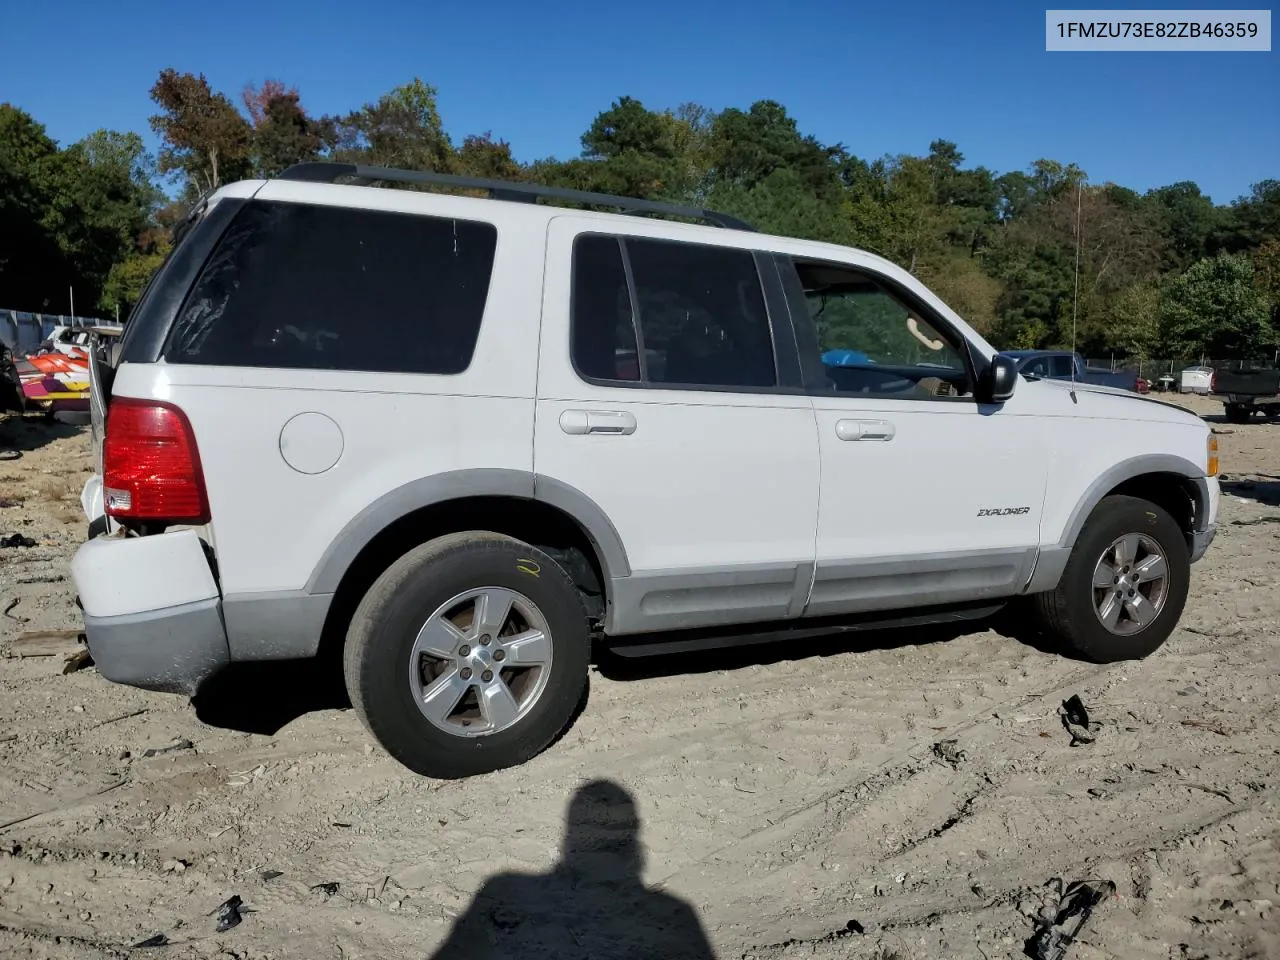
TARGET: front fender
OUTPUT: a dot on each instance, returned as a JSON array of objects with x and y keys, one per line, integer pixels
[
  {"x": 1131, "y": 469},
  {"x": 1052, "y": 558}
]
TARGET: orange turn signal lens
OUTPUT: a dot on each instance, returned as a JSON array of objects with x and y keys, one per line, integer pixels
[{"x": 1212, "y": 446}]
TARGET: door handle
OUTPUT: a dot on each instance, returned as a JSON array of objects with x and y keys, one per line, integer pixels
[
  {"x": 578, "y": 423},
  {"x": 864, "y": 430}
]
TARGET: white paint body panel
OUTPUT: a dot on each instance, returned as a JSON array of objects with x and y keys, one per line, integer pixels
[
  {"x": 164, "y": 571},
  {"x": 709, "y": 479},
  {"x": 272, "y": 524},
  {"x": 1105, "y": 427},
  {"x": 920, "y": 491}
]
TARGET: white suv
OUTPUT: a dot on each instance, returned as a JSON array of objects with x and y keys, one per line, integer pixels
[{"x": 456, "y": 437}]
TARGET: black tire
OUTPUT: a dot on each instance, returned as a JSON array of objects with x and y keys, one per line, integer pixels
[
  {"x": 1069, "y": 613},
  {"x": 1238, "y": 413},
  {"x": 386, "y": 623}
]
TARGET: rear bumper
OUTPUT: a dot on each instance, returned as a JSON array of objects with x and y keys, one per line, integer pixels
[
  {"x": 174, "y": 650},
  {"x": 152, "y": 611},
  {"x": 91, "y": 500},
  {"x": 1249, "y": 399}
]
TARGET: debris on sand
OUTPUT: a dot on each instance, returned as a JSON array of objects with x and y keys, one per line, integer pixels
[
  {"x": 1075, "y": 711},
  {"x": 159, "y": 940},
  {"x": 328, "y": 889},
  {"x": 948, "y": 752},
  {"x": 1211, "y": 727},
  {"x": 229, "y": 914},
  {"x": 177, "y": 745},
  {"x": 1054, "y": 935},
  {"x": 76, "y": 661},
  {"x": 17, "y": 540},
  {"x": 48, "y": 643},
  {"x": 1075, "y": 718}
]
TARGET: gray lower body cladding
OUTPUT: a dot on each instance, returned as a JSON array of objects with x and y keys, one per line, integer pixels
[{"x": 174, "y": 650}]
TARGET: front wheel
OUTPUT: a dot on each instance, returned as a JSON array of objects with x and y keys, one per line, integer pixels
[
  {"x": 1125, "y": 585},
  {"x": 468, "y": 655}
]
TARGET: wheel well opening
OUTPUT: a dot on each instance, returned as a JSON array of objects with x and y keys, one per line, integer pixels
[
  {"x": 532, "y": 521},
  {"x": 1174, "y": 493}
]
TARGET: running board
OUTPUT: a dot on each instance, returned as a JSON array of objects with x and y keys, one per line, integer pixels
[{"x": 658, "y": 644}]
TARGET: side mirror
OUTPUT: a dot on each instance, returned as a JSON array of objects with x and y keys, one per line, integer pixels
[{"x": 1001, "y": 377}]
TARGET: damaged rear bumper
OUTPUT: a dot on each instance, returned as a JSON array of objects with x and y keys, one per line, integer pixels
[{"x": 152, "y": 610}]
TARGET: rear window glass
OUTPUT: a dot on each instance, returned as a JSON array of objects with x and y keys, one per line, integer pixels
[{"x": 319, "y": 287}]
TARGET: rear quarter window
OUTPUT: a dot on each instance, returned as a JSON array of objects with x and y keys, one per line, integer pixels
[{"x": 318, "y": 287}]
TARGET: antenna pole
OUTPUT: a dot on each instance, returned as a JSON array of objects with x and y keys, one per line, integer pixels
[{"x": 1075, "y": 297}]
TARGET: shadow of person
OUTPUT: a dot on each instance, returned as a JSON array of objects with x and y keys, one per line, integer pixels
[{"x": 592, "y": 904}]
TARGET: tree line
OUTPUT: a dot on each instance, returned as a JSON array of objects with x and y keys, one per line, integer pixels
[{"x": 1166, "y": 273}]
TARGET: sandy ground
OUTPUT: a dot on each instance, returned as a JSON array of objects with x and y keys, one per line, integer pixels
[{"x": 789, "y": 801}]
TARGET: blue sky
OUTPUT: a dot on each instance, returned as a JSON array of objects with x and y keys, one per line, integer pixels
[{"x": 881, "y": 81}]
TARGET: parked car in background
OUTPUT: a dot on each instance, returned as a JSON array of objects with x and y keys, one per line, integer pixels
[
  {"x": 1247, "y": 391},
  {"x": 1196, "y": 380},
  {"x": 1066, "y": 365}
]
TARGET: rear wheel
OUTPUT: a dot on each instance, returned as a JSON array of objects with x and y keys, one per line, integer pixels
[
  {"x": 1238, "y": 413},
  {"x": 468, "y": 655},
  {"x": 1125, "y": 584}
]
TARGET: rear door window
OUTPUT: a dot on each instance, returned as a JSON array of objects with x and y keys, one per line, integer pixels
[
  {"x": 669, "y": 314},
  {"x": 319, "y": 287}
]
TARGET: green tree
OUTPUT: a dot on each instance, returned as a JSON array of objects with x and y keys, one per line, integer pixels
[
  {"x": 1266, "y": 276},
  {"x": 110, "y": 203},
  {"x": 206, "y": 141},
  {"x": 1135, "y": 317},
  {"x": 282, "y": 134},
  {"x": 1187, "y": 220},
  {"x": 1252, "y": 220},
  {"x": 401, "y": 129},
  {"x": 34, "y": 269},
  {"x": 67, "y": 215},
  {"x": 748, "y": 146},
  {"x": 483, "y": 156},
  {"x": 960, "y": 282},
  {"x": 782, "y": 203},
  {"x": 127, "y": 279},
  {"x": 1215, "y": 310},
  {"x": 628, "y": 127}
]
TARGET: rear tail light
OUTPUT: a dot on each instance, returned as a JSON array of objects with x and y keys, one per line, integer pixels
[
  {"x": 150, "y": 464},
  {"x": 1213, "y": 382}
]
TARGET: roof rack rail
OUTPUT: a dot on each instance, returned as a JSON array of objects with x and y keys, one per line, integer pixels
[{"x": 326, "y": 172}]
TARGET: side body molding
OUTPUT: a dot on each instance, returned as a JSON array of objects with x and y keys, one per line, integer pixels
[
  {"x": 458, "y": 485},
  {"x": 1053, "y": 559}
]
